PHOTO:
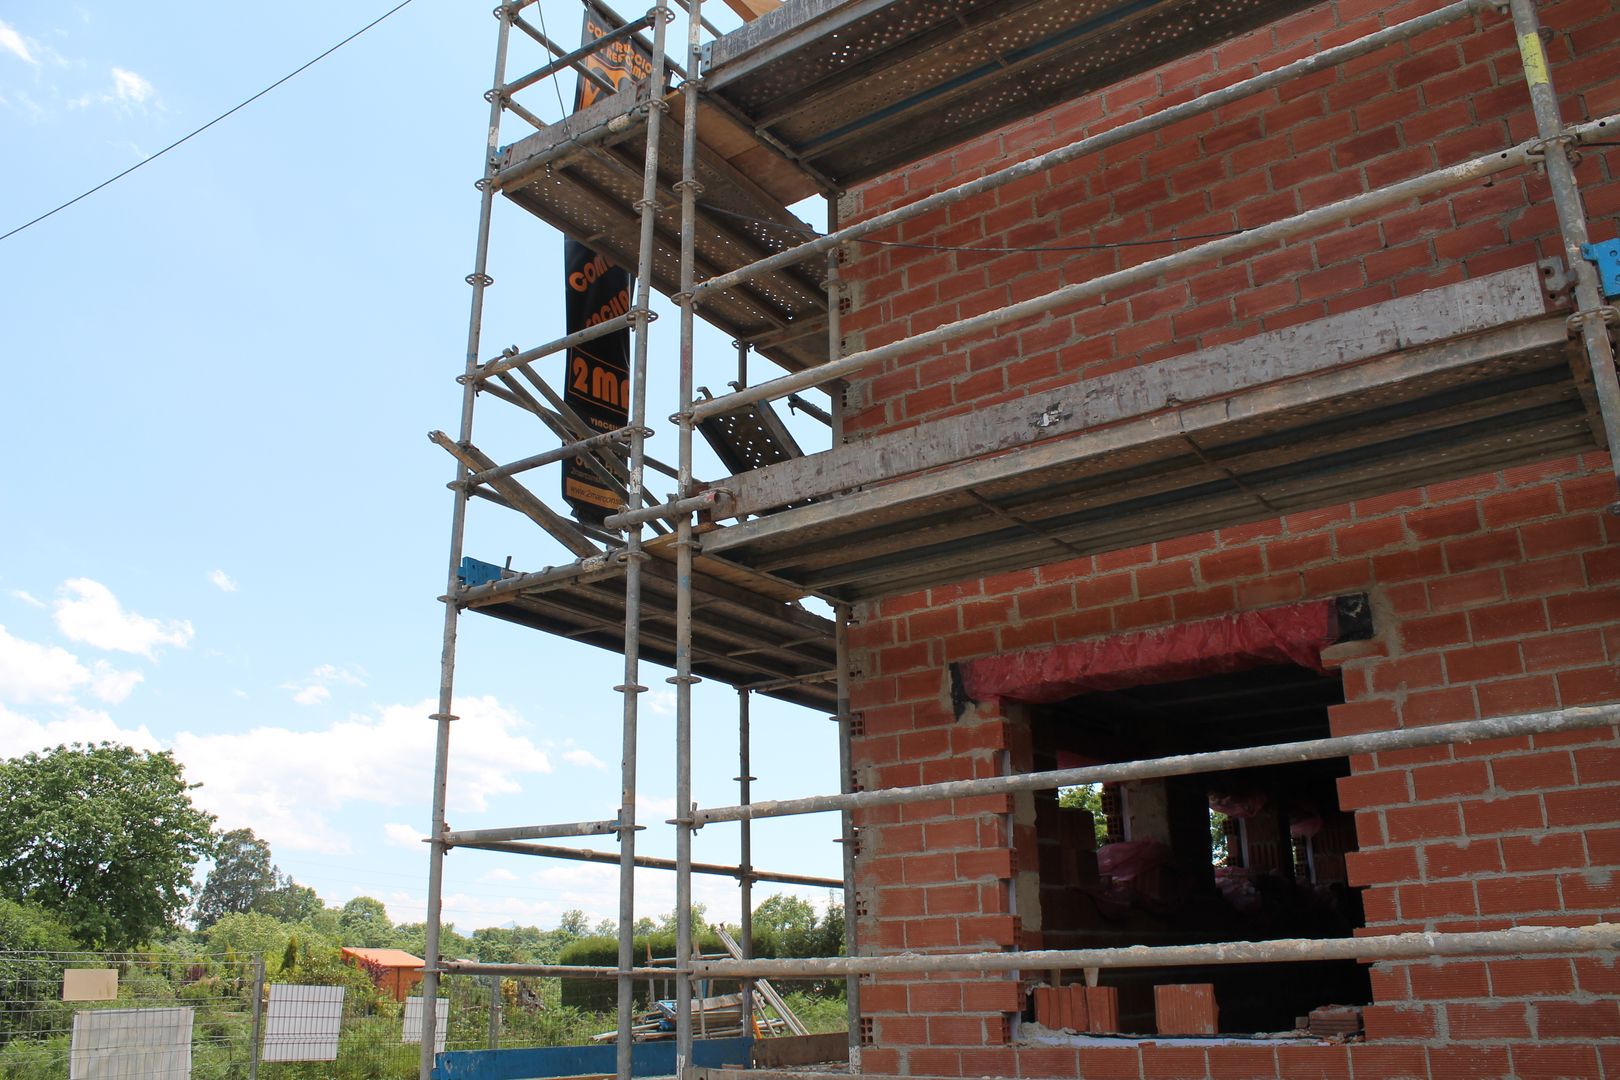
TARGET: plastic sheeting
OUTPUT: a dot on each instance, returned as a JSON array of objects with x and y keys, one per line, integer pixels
[{"x": 1284, "y": 635}]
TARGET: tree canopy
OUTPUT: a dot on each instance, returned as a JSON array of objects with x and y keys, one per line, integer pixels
[
  {"x": 105, "y": 836},
  {"x": 242, "y": 876},
  {"x": 364, "y": 923}
]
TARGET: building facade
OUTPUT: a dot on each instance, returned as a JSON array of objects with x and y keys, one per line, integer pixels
[{"x": 1470, "y": 592}]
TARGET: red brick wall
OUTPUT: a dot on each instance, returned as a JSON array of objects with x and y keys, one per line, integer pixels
[
  {"x": 1492, "y": 595},
  {"x": 1450, "y": 95}
]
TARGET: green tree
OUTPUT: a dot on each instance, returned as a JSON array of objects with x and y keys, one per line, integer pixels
[
  {"x": 30, "y": 928},
  {"x": 247, "y": 933},
  {"x": 790, "y": 921},
  {"x": 412, "y": 937},
  {"x": 242, "y": 876},
  {"x": 365, "y": 924},
  {"x": 103, "y": 835},
  {"x": 289, "y": 901},
  {"x": 1088, "y": 797}
]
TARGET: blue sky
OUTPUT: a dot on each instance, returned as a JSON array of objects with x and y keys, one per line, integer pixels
[{"x": 225, "y": 528}]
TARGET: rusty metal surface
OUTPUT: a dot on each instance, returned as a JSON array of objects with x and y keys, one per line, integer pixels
[
  {"x": 739, "y": 638},
  {"x": 583, "y": 176},
  {"x": 856, "y": 89}
]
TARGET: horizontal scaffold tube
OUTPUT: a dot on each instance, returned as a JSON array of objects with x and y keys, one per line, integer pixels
[
  {"x": 714, "y": 499},
  {"x": 594, "y": 568},
  {"x": 529, "y": 356},
  {"x": 1463, "y": 731},
  {"x": 1517, "y": 941},
  {"x": 1525, "y": 153},
  {"x": 619, "y": 436},
  {"x": 540, "y": 971},
  {"x": 575, "y": 58},
  {"x": 648, "y": 862},
  {"x": 1288, "y": 73},
  {"x": 531, "y": 832}
]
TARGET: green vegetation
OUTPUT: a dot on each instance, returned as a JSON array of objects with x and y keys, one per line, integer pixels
[
  {"x": 104, "y": 836},
  {"x": 99, "y": 848}
]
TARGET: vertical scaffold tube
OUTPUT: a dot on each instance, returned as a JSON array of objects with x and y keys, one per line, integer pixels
[
  {"x": 1589, "y": 301},
  {"x": 480, "y": 280},
  {"x": 689, "y": 189},
  {"x": 631, "y": 688},
  {"x": 745, "y": 838},
  {"x": 846, "y": 783}
]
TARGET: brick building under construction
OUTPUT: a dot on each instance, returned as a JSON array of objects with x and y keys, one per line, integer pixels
[{"x": 1222, "y": 401}]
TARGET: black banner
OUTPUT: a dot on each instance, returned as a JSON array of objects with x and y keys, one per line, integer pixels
[{"x": 598, "y": 376}]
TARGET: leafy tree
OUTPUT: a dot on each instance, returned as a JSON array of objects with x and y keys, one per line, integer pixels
[
  {"x": 242, "y": 876},
  {"x": 28, "y": 998},
  {"x": 103, "y": 835},
  {"x": 289, "y": 901},
  {"x": 30, "y": 928},
  {"x": 364, "y": 923},
  {"x": 667, "y": 923},
  {"x": 790, "y": 926},
  {"x": 412, "y": 937},
  {"x": 574, "y": 924},
  {"x": 247, "y": 933},
  {"x": 788, "y": 919},
  {"x": 1088, "y": 797}
]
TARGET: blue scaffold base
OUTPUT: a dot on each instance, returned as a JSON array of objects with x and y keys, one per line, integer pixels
[{"x": 538, "y": 1063}]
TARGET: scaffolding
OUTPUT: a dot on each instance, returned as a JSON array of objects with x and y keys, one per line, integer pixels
[{"x": 691, "y": 184}]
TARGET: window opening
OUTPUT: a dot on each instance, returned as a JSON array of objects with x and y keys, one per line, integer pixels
[{"x": 1252, "y": 854}]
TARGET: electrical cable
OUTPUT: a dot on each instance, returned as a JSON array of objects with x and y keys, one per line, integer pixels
[
  {"x": 540, "y": 10},
  {"x": 191, "y": 135}
]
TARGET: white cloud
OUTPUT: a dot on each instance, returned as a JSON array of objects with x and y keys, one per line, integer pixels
[
  {"x": 328, "y": 673},
  {"x": 222, "y": 581},
  {"x": 128, "y": 90},
  {"x": 292, "y": 787},
  {"x": 499, "y": 874},
  {"x": 405, "y": 836},
  {"x": 584, "y": 759},
  {"x": 131, "y": 88},
  {"x": 315, "y": 689},
  {"x": 649, "y": 807},
  {"x": 13, "y": 43},
  {"x": 311, "y": 695},
  {"x": 112, "y": 685},
  {"x": 28, "y": 598},
  {"x": 31, "y": 673},
  {"x": 19, "y": 734},
  {"x": 91, "y": 615},
  {"x": 661, "y": 702}
]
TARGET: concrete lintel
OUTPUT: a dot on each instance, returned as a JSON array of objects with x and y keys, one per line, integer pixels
[{"x": 1426, "y": 318}]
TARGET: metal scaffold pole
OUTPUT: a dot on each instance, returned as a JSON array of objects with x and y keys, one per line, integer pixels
[
  {"x": 850, "y": 838},
  {"x": 689, "y": 189},
  {"x": 480, "y": 280},
  {"x": 1592, "y": 313},
  {"x": 631, "y": 688},
  {"x": 745, "y": 845}
]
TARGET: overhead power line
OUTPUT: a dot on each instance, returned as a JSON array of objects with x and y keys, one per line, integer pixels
[{"x": 193, "y": 134}]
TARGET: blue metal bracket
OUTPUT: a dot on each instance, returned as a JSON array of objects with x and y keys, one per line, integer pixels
[
  {"x": 1606, "y": 255},
  {"x": 472, "y": 572}
]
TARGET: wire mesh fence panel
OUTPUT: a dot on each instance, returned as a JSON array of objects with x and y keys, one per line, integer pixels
[
  {"x": 156, "y": 1016},
  {"x": 124, "y": 1016}
]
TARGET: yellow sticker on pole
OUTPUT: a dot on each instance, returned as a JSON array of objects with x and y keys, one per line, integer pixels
[{"x": 1535, "y": 59}]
